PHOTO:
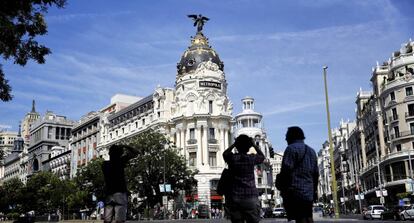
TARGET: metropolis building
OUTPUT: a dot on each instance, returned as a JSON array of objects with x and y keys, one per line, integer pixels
[{"x": 196, "y": 115}]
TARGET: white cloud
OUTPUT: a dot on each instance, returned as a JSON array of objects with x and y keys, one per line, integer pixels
[{"x": 304, "y": 105}]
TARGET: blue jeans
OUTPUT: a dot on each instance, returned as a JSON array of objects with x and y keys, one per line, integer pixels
[
  {"x": 243, "y": 210},
  {"x": 116, "y": 207}
]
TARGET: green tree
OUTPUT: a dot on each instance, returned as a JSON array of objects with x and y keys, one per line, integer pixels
[
  {"x": 89, "y": 181},
  {"x": 21, "y": 21},
  {"x": 45, "y": 191},
  {"x": 11, "y": 197},
  {"x": 145, "y": 172}
]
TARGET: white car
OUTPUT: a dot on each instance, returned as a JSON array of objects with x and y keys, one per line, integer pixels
[
  {"x": 407, "y": 213},
  {"x": 279, "y": 212},
  {"x": 373, "y": 211}
]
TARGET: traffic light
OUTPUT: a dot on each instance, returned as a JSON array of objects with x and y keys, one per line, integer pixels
[{"x": 271, "y": 152}]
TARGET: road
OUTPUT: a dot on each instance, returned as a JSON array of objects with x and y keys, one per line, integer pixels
[{"x": 345, "y": 219}]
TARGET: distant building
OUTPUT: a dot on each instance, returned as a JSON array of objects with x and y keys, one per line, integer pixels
[
  {"x": 27, "y": 122},
  {"x": 6, "y": 142},
  {"x": 250, "y": 123},
  {"x": 59, "y": 161},
  {"x": 12, "y": 160},
  {"x": 374, "y": 158},
  {"x": 49, "y": 131},
  {"x": 6, "y": 146}
]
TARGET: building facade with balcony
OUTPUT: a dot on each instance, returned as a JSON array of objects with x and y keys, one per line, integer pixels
[
  {"x": 59, "y": 162},
  {"x": 380, "y": 147},
  {"x": 196, "y": 115},
  {"x": 250, "y": 123},
  {"x": 84, "y": 142}
]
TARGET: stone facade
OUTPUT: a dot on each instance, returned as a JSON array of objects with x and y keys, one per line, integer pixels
[
  {"x": 379, "y": 148},
  {"x": 196, "y": 116},
  {"x": 49, "y": 131}
]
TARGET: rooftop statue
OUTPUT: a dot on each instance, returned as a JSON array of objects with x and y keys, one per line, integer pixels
[{"x": 199, "y": 21}]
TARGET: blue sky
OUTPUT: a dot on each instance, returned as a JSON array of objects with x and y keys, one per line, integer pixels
[{"x": 272, "y": 50}]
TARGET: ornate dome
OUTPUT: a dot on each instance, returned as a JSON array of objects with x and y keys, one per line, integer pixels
[{"x": 198, "y": 52}]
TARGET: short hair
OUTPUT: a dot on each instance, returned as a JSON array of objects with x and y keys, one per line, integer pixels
[
  {"x": 243, "y": 143},
  {"x": 294, "y": 133}
]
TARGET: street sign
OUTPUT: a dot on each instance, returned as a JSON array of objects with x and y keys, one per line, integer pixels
[
  {"x": 382, "y": 200},
  {"x": 167, "y": 187},
  {"x": 164, "y": 200},
  {"x": 360, "y": 197}
]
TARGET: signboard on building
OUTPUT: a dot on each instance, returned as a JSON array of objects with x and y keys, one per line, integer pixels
[{"x": 211, "y": 84}]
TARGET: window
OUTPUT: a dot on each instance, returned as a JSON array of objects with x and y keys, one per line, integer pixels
[
  {"x": 211, "y": 133},
  {"x": 396, "y": 132},
  {"x": 212, "y": 158},
  {"x": 392, "y": 96},
  {"x": 57, "y": 135},
  {"x": 394, "y": 114},
  {"x": 192, "y": 159},
  {"x": 259, "y": 180},
  {"x": 412, "y": 128},
  {"x": 409, "y": 91},
  {"x": 192, "y": 133},
  {"x": 49, "y": 132},
  {"x": 398, "y": 147},
  {"x": 210, "y": 107},
  {"x": 411, "y": 110},
  {"x": 143, "y": 121}
]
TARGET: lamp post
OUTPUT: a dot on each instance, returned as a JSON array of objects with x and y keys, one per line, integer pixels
[{"x": 334, "y": 186}]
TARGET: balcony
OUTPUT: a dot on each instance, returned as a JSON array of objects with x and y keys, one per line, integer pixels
[
  {"x": 212, "y": 141},
  {"x": 402, "y": 134},
  {"x": 393, "y": 118},
  {"x": 191, "y": 141}
]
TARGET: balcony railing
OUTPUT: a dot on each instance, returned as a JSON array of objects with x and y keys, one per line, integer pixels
[
  {"x": 212, "y": 141},
  {"x": 393, "y": 118},
  {"x": 402, "y": 134},
  {"x": 191, "y": 141},
  {"x": 409, "y": 114}
]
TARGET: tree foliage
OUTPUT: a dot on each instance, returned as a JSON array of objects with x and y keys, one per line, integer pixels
[
  {"x": 146, "y": 171},
  {"x": 21, "y": 21},
  {"x": 44, "y": 190},
  {"x": 11, "y": 195},
  {"x": 89, "y": 181}
]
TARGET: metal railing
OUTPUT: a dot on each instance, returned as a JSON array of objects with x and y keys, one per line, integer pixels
[
  {"x": 192, "y": 141},
  {"x": 402, "y": 134}
]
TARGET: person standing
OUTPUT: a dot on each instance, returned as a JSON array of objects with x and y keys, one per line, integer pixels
[
  {"x": 300, "y": 164},
  {"x": 242, "y": 202},
  {"x": 115, "y": 183}
]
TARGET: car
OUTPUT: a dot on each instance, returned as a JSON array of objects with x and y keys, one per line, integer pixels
[
  {"x": 279, "y": 212},
  {"x": 373, "y": 212},
  {"x": 392, "y": 213},
  {"x": 203, "y": 211},
  {"x": 407, "y": 213}
]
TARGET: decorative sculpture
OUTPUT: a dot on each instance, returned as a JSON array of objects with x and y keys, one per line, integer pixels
[{"x": 199, "y": 21}]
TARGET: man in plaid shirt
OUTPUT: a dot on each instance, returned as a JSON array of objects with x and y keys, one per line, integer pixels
[
  {"x": 242, "y": 202},
  {"x": 301, "y": 165}
]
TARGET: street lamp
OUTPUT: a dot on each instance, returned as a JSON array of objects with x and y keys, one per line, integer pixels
[{"x": 334, "y": 186}]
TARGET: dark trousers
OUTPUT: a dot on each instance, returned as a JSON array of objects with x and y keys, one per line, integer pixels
[{"x": 243, "y": 210}]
